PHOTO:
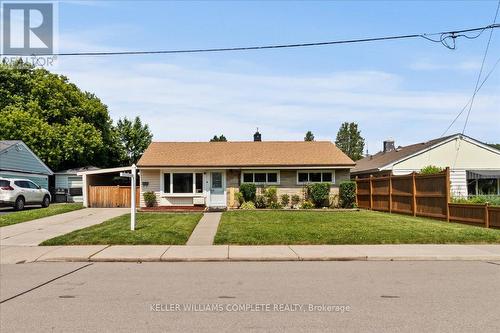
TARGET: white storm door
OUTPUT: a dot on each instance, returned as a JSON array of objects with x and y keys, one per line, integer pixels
[{"x": 217, "y": 189}]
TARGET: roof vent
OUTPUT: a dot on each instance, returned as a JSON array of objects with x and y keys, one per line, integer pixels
[
  {"x": 389, "y": 145},
  {"x": 257, "y": 136}
]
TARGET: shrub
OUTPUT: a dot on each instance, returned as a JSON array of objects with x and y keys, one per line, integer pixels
[
  {"x": 430, "y": 170},
  {"x": 248, "y": 191},
  {"x": 493, "y": 200},
  {"x": 247, "y": 205},
  {"x": 260, "y": 201},
  {"x": 275, "y": 205},
  {"x": 285, "y": 200},
  {"x": 150, "y": 199},
  {"x": 347, "y": 194},
  {"x": 295, "y": 200},
  {"x": 319, "y": 193},
  {"x": 239, "y": 197},
  {"x": 271, "y": 195},
  {"x": 307, "y": 205}
]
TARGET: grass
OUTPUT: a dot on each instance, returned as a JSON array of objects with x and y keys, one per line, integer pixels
[
  {"x": 355, "y": 227},
  {"x": 151, "y": 228},
  {"x": 35, "y": 213}
]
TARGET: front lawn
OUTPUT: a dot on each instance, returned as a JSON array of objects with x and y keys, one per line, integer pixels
[
  {"x": 351, "y": 227},
  {"x": 151, "y": 228},
  {"x": 36, "y": 213}
]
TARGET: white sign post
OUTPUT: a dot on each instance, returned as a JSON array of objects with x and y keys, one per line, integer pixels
[{"x": 133, "y": 177}]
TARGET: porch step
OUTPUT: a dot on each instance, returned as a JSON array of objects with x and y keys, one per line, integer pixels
[{"x": 216, "y": 209}]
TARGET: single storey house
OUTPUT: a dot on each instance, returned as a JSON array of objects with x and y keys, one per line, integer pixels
[
  {"x": 69, "y": 185},
  {"x": 474, "y": 166},
  {"x": 18, "y": 161},
  {"x": 204, "y": 173}
]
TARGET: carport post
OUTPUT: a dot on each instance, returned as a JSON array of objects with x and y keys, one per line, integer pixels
[{"x": 132, "y": 200}]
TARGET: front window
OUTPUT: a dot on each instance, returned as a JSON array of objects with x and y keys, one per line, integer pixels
[
  {"x": 248, "y": 177},
  {"x": 182, "y": 182},
  {"x": 166, "y": 182},
  {"x": 315, "y": 177},
  {"x": 199, "y": 183},
  {"x": 304, "y": 177},
  {"x": 260, "y": 177}
]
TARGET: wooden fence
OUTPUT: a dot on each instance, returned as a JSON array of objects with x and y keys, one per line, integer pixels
[
  {"x": 421, "y": 195},
  {"x": 111, "y": 196}
]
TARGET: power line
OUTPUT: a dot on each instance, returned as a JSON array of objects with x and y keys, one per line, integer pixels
[
  {"x": 481, "y": 69},
  {"x": 470, "y": 99},
  {"x": 477, "y": 82},
  {"x": 444, "y": 37}
]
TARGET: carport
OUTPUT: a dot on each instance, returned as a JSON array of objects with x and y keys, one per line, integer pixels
[{"x": 104, "y": 188}]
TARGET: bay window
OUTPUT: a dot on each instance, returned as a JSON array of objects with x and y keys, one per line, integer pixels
[{"x": 182, "y": 182}]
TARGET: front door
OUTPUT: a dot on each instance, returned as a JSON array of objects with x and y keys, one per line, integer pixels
[{"x": 217, "y": 189}]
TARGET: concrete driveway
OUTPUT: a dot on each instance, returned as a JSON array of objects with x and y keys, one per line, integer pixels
[{"x": 34, "y": 232}]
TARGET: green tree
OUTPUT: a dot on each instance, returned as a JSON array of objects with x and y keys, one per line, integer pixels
[
  {"x": 309, "y": 136},
  {"x": 349, "y": 140},
  {"x": 134, "y": 137},
  {"x": 220, "y": 138},
  {"x": 495, "y": 145},
  {"x": 64, "y": 126}
]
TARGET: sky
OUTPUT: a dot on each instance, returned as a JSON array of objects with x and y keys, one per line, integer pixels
[{"x": 407, "y": 90}]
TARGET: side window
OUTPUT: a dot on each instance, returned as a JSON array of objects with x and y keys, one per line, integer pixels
[
  {"x": 33, "y": 185},
  {"x": 21, "y": 184}
]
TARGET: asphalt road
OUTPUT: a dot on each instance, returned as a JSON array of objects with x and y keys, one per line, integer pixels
[{"x": 381, "y": 296}]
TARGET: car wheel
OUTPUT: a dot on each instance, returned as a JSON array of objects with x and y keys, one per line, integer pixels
[
  {"x": 19, "y": 205},
  {"x": 46, "y": 201}
]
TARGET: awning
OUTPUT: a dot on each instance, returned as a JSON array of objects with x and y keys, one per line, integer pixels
[{"x": 482, "y": 174}]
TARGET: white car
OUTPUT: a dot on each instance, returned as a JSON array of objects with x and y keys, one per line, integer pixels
[{"x": 19, "y": 192}]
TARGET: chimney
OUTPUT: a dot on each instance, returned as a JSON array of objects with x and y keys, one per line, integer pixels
[
  {"x": 257, "y": 136},
  {"x": 389, "y": 145}
]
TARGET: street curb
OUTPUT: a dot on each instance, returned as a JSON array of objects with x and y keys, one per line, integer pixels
[{"x": 236, "y": 253}]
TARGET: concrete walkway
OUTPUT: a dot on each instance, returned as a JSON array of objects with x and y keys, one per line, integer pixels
[
  {"x": 34, "y": 232},
  {"x": 205, "y": 230},
  {"x": 139, "y": 253}
]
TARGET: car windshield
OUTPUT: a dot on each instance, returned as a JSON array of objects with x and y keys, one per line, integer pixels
[{"x": 4, "y": 183}]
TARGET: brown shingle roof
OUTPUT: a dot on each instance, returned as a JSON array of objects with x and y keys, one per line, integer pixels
[
  {"x": 375, "y": 162},
  {"x": 244, "y": 154}
]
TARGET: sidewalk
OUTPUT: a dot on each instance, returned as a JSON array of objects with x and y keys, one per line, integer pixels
[
  {"x": 205, "y": 230},
  {"x": 156, "y": 253}
]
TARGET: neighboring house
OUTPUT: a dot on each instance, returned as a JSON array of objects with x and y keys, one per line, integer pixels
[
  {"x": 69, "y": 185},
  {"x": 204, "y": 173},
  {"x": 474, "y": 166},
  {"x": 18, "y": 161}
]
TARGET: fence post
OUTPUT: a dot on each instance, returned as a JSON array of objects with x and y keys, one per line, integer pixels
[
  {"x": 357, "y": 205},
  {"x": 447, "y": 189},
  {"x": 414, "y": 194},
  {"x": 390, "y": 192},
  {"x": 486, "y": 216},
  {"x": 371, "y": 192}
]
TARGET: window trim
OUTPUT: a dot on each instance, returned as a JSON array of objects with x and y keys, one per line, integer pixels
[
  {"x": 332, "y": 172},
  {"x": 189, "y": 194},
  {"x": 277, "y": 172}
]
